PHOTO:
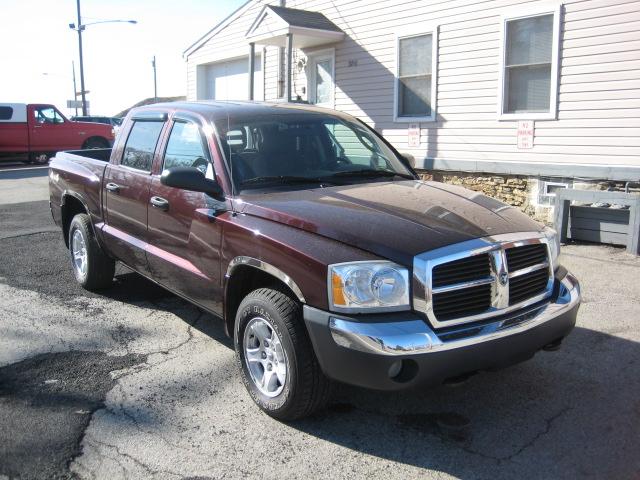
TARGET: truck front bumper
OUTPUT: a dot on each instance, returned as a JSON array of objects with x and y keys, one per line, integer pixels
[{"x": 400, "y": 350}]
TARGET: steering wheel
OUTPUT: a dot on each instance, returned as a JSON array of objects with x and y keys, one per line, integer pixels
[{"x": 201, "y": 164}]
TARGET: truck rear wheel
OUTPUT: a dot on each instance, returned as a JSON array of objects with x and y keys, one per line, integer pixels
[
  {"x": 39, "y": 158},
  {"x": 274, "y": 353},
  {"x": 92, "y": 268},
  {"x": 95, "y": 142}
]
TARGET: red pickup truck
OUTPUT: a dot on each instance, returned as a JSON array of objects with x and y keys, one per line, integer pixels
[
  {"x": 38, "y": 131},
  {"x": 315, "y": 242}
]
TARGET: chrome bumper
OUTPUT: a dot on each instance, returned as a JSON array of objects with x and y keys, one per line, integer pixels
[{"x": 415, "y": 336}]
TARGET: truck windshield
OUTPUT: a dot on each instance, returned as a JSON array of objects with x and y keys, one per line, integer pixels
[{"x": 304, "y": 148}]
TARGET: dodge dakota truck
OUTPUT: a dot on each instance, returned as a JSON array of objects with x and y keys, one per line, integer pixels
[
  {"x": 37, "y": 131},
  {"x": 317, "y": 245}
]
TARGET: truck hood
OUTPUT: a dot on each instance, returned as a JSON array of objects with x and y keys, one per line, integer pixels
[{"x": 394, "y": 220}]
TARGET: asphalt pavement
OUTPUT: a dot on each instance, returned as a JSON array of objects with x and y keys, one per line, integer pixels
[{"x": 137, "y": 383}]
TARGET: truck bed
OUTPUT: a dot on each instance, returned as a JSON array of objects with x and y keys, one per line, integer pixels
[
  {"x": 102, "y": 154},
  {"x": 80, "y": 172}
]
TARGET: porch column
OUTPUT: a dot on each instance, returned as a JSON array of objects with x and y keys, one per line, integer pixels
[
  {"x": 252, "y": 61},
  {"x": 288, "y": 67}
]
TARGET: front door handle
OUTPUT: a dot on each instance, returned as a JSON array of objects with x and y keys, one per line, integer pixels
[
  {"x": 161, "y": 203},
  {"x": 113, "y": 187}
]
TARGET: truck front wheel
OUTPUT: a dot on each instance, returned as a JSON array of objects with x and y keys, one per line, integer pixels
[
  {"x": 92, "y": 268},
  {"x": 276, "y": 358}
]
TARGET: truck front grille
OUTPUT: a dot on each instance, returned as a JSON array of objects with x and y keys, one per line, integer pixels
[
  {"x": 526, "y": 256},
  {"x": 529, "y": 283},
  {"x": 468, "y": 301},
  {"x": 463, "y": 270},
  {"x": 485, "y": 280}
]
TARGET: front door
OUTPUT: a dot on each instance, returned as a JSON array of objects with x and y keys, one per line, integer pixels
[
  {"x": 184, "y": 234},
  {"x": 321, "y": 80},
  {"x": 126, "y": 195},
  {"x": 50, "y": 132}
]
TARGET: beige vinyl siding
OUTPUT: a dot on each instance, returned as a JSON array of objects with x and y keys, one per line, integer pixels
[
  {"x": 598, "y": 91},
  {"x": 271, "y": 74},
  {"x": 598, "y": 115},
  {"x": 227, "y": 44}
]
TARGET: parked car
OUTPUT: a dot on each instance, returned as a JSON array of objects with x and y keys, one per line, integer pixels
[
  {"x": 113, "y": 121},
  {"x": 321, "y": 250},
  {"x": 37, "y": 131}
]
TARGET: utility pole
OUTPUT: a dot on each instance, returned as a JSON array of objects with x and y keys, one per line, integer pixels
[
  {"x": 155, "y": 82},
  {"x": 75, "y": 92},
  {"x": 82, "y": 92}
]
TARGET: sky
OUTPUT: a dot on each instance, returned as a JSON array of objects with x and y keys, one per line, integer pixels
[{"x": 37, "y": 48}]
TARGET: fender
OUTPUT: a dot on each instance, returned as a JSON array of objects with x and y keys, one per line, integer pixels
[
  {"x": 80, "y": 198},
  {"x": 267, "y": 268}
]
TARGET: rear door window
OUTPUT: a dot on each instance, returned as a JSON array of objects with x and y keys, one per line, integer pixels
[{"x": 141, "y": 145}]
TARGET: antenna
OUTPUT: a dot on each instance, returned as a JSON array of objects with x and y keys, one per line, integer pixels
[{"x": 233, "y": 185}]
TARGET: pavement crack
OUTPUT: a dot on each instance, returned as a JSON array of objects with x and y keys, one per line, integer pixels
[
  {"x": 148, "y": 469},
  {"x": 548, "y": 425},
  {"x": 545, "y": 431}
]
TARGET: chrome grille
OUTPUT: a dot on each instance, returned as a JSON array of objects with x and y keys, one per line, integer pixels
[
  {"x": 468, "y": 301},
  {"x": 482, "y": 278},
  {"x": 526, "y": 256},
  {"x": 529, "y": 285},
  {"x": 463, "y": 270}
]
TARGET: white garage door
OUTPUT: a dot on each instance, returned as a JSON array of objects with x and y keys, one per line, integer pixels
[{"x": 229, "y": 80}]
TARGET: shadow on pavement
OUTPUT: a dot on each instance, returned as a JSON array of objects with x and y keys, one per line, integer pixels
[
  {"x": 567, "y": 414},
  {"x": 26, "y": 172}
]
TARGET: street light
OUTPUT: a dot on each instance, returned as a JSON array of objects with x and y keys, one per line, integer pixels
[{"x": 80, "y": 28}]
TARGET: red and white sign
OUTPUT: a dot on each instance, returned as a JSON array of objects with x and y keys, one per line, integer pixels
[
  {"x": 413, "y": 134},
  {"x": 525, "y": 134}
]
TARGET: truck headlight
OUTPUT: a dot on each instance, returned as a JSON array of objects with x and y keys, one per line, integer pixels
[
  {"x": 554, "y": 245},
  {"x": 368, "y": 286}
]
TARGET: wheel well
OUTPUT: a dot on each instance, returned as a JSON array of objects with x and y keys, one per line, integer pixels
[
  {"x": 104, "y": 141},
  {"x": 70, "y": 208},
  {"x": 244, "y": 280}
]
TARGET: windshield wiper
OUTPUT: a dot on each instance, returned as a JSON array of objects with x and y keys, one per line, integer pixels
[
  {"x": 284, "y": 179},
  {"x": 371, "y": 173}
]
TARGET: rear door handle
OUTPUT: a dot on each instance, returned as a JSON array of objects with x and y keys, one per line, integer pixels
[
  {"x": 113, "y": 187},
  {"x": 161, "y": 203}
]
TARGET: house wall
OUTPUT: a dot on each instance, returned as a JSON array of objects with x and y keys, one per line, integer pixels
[
  {"x": 228, "y": 43},
  {"x": 598, "y": 123},
  {"x": 599, "y": 81}
]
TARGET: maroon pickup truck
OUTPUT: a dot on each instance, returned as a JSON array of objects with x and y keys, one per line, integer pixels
[{"x": 315, "y": 242}]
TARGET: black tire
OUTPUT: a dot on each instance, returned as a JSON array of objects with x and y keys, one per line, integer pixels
[
  {"x": 39, "y": 158},
  {"x": 99, "y": 268},
  {"x": 95, "y": 142},
  {"x": 306, "y": 389}
]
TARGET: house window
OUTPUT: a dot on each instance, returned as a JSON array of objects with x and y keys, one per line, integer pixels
[
  {"x": 547, "y": 190},
  {"x": 416, "y": 77},
  {"x": 530, "y": 59}
]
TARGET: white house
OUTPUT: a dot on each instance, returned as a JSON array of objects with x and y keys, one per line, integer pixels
[{"x": 525, "y": 96}]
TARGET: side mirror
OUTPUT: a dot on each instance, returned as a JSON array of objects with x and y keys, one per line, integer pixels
[
  {"x": 411, "y": 160},
  {"x": 190, "y": 178}
]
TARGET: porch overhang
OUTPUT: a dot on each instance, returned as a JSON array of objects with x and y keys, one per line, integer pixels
[{"x": 274, "y": 25}]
